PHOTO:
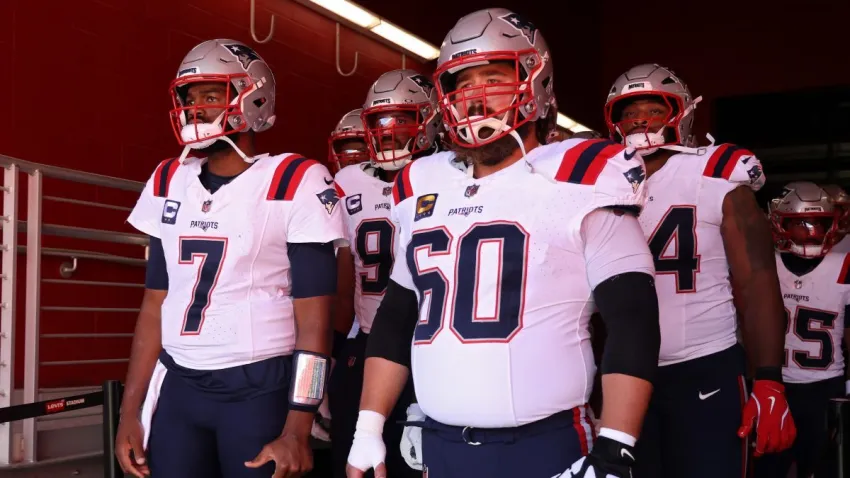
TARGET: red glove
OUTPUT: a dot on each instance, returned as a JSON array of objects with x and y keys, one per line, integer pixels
[{"x": 768, "y": 410}]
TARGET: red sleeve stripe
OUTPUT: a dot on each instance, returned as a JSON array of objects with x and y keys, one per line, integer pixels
[
  {"x": 584, "y": 163},
  {"x": 722, "y": 162},
  {"x": 339, "y": 191},
  {"x": 845, "y": 271},
  {"x": 401, "y": 188},
  {"x": 162, "y": 178},
  {"x": 287, "y": 177}
]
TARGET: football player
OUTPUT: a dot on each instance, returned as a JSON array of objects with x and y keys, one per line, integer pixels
[
  {"x": 503, "y": 245},
  {"x": 231, "y": 350},
  {"x": 347, "y": 143},
  {"x": 816, "y": 291},
  {"x": 710, "y": 242},
  {"x": 401, "y": 121},
  {"x": 841, "y": 200}
]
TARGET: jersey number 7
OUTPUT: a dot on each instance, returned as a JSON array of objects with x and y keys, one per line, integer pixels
[
  {"x": 210, "y": 252},
  {"x": 509, "y": 269}
]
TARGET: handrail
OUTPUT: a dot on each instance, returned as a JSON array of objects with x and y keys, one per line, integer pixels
[
  {"x": 72, "y": 175},
  {"x": 97, "y": 256},
  {"x": 88, "y": 233}
]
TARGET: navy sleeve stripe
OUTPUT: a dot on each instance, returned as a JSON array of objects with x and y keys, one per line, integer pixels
[{"x": 156, "y": 273}]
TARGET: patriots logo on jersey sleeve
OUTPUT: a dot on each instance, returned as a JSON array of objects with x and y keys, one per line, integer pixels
[
  {"x": 635, "y": 177},
  {"x": 245, "y": 55},
  {"x": 527, "y": 28},
  {"x": 423, "y": 83},
  {"x": 328, "y": 198}
]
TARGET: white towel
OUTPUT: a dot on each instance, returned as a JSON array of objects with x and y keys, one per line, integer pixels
[{"x": 151, "y": 399}]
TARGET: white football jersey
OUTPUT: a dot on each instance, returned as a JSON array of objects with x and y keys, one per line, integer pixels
[
  {"x": 500, "y": 267},
  {"x": 367, "y": 201},
  {"x": 815, "y": 304},
  {"x": 681, "y": 222},
  {"x": 229, "y": 282}
]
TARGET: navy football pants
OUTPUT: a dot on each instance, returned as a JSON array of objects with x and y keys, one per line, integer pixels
[
  {"x": 344, "y": 403},
  {"x": 209, "y": 423},
  {"x": 690, "y": 429},
  {"x": 541, "y": 449}
]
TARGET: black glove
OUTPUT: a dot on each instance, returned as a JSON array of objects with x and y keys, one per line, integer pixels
[{"x": 608, "y": 459}]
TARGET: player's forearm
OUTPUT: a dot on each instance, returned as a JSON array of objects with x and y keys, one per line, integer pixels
[
  {"x": 624, "y": 402},
  {"x": 749, "y": 250},
  {"x": 147, "y": 343},
  {"x": 383, "y": 382},
  {"x": 313, "y": 324},
  {"x": 343, "y": 313}
]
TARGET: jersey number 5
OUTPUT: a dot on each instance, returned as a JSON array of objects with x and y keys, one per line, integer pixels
[
  {"x": 210, "y": 253},
  {"x": 802, "y": 324},
  {"x": 500, "y": 280},
  {"x": 679, "y": 225}
]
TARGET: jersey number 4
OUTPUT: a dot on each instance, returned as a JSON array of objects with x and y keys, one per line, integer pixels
[
  {"x": 491, "y": 262},
  {"x": 802, "y": 323},
  {"x": 679, "y": 225},
  {"x": 374, "y": 245},
  {"x": 210, "y": 253}
]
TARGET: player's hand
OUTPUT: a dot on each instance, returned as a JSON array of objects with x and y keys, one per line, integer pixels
[
  {"x": 367, "y": 450},
  {"x": 411, "y": 438},
  {"x": 767, "y": 410},
  {"x": 291, "y": 454},
  {"x": 129, "y": 439},
  {"x": 608, "y": 459}
]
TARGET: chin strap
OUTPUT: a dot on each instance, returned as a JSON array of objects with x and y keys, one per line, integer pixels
[{"x": 250, "y": 160}]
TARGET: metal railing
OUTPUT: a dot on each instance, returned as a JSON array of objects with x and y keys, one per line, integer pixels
[{"x": 33, "y": 251}]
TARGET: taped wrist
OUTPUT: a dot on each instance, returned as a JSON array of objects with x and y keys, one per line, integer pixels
[
  {"x": 310, "y": 372},
  {"x": 370, "y": 423},
  {"x": 629, "y": 306}
]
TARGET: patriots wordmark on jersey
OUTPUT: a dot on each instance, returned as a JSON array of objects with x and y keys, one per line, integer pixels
[
  {"x": 229, "y": 284},
  {"x": 371, "y": 234},
  {"x": 500, "y": 267},
  {"x": 681, "y": 222},
  {"x": 815, "y": 304}
]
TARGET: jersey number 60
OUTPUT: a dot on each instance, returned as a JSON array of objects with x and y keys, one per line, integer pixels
[{"x": 510, "y": 270}]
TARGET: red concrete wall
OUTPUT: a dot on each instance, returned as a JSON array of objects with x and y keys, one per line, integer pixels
[{"x": 86, "y": 87}]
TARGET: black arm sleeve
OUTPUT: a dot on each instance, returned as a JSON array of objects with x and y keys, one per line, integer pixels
[
  {"x": 392, "y": 329},
  {"x": 313, "y": 269},
  {"x": 156, "y": 274},
  {"x": 629, "y": 306}
]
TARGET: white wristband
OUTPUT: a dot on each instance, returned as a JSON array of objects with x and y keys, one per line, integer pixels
[
  {"x": 616, "y": 435},
  {"x": 369, "y": 422}
]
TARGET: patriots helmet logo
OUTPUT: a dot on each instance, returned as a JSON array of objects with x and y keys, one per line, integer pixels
[
  {"x": 635, "y": 177},
  {"x": 424, "y": 83},
  {"x": 755, "y": 174},
  {"x": 526, "y": 27},
  {"x": 328, "y": 198},
  {"x": 244, "y": 54}
]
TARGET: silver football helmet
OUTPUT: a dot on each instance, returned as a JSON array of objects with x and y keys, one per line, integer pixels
[
  {"x": 842, "y": 201},
  {"x": 491, "y": 36},
  {"x": 654, "y": 81},
  {"x": 401, "y": 118},
  {"x": 804, "y": 220},
  {"x": 347, "y": 143},
  {"x": 248, "y": 104}
]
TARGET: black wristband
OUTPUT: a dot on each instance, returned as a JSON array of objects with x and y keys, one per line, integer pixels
[
  {"x": 769, "y": 373},
  {"x": 339, "y": 344}
]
